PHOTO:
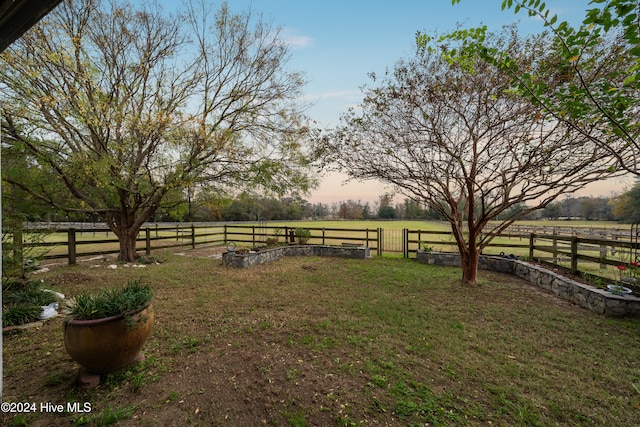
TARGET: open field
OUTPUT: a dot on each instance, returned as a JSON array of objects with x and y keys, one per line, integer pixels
[
  {"x": 387, "y": 225},
  {"x": 320, "y": 341},
  {"x": 443, "y": 225}
]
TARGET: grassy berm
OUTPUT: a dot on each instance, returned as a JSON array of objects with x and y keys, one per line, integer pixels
[{"x": 335, "y": 342}]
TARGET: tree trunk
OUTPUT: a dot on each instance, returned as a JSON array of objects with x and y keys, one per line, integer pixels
[
  {"x": 127, "y": 242},
  {"x": 127, "y": 237},
  {"x": 469, "y": 261},
  {"x": 126, "y": 223},
  {"x": 469, "y": 253}
]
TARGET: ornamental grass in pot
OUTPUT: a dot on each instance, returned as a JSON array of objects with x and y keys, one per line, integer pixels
[{"x": 105, "y": 332}]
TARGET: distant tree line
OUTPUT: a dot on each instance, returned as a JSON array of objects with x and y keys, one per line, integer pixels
[
  {"x": 246, "y": 207},
  {"x": 250, "y": 207},
  {"x": 583, "y": 208}
]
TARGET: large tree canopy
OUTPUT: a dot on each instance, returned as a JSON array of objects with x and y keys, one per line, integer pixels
[
  {"x": 124, "y": 104},
  {"x": 589, "y": 78},
  {"x": 453, "y": 135}
]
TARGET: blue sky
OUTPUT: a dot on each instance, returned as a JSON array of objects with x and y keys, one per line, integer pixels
[{"x": 336, "y": 43}]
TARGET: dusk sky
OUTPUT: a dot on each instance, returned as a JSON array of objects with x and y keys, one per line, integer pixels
[{"x": 336, "y": 43}]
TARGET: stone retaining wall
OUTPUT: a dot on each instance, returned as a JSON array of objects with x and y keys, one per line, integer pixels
[
  {"x": 598, "y": 300},
  {"x": 267, "y": 255}
]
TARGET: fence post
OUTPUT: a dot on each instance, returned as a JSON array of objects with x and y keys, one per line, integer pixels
[
  {"x": 555, "y": 246},
  {"x": 367, "y": 240},
  {"x": 574, "y": 254},
  {"x": 532, "y": 239},
  {"x": 147, "y": 239},
  {"x": 380, "y": 240},
  {"x": 71, "y": 245},
  {"x": 405, "y": 243},
  {"x": 323, "y": 235},
  {"x": 15, "y": 266},
  {"x": 253, "y": 235},
  {"x": 18, "y": 247},
  {"x": 603, "y": 252},
  {"x": 225, "y": 234},
  {"x": 193, "y": 236},
  {"x": 614, "y": 237}
]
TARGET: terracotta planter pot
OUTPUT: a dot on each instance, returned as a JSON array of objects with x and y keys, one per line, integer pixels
[{"x": 108, "y": 344}]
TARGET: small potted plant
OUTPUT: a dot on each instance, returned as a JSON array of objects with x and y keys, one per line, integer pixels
[
  {"x": 618, "y": 288},
  {"x": 105, "y": 332}
]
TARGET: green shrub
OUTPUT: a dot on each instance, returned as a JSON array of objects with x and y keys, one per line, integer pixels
[
  {"x": 16, "y": 291},
  {"x": 19, "y": 314},
  {"x": 23, "y": 301},
  {"x": 303, "y": 235}
]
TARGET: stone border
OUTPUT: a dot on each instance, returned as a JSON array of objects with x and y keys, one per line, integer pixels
[
  {"x": 267, "y": 255},
  {"x": 595, "y": 299}
]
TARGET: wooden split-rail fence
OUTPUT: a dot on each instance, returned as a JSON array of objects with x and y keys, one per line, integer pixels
[{"x": 573, "y": 246}]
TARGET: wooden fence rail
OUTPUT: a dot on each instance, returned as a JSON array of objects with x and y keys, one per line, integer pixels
[
  {"x": 617, "y": 233},
  {"x": 569, "y": 249}
]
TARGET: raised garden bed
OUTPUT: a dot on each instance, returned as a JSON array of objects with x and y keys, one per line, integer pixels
[
  {"x": 598, "y": 300},
  {"x": 251, "y": 258}
]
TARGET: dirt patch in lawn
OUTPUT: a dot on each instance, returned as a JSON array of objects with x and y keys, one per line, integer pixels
[
  {"x": 71, "y": 277},
  {"x": 322, "y": 341}
]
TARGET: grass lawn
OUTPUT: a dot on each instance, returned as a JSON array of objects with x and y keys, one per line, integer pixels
[{"x": 320, "y": 341}]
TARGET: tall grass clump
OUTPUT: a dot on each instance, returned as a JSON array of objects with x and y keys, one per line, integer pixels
[{"x": 113, "y": 301}]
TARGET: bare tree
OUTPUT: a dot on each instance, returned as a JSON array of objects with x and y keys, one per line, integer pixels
[
  {"x": 125, "y": 104},
  {"x": 454, "y": 136}
]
